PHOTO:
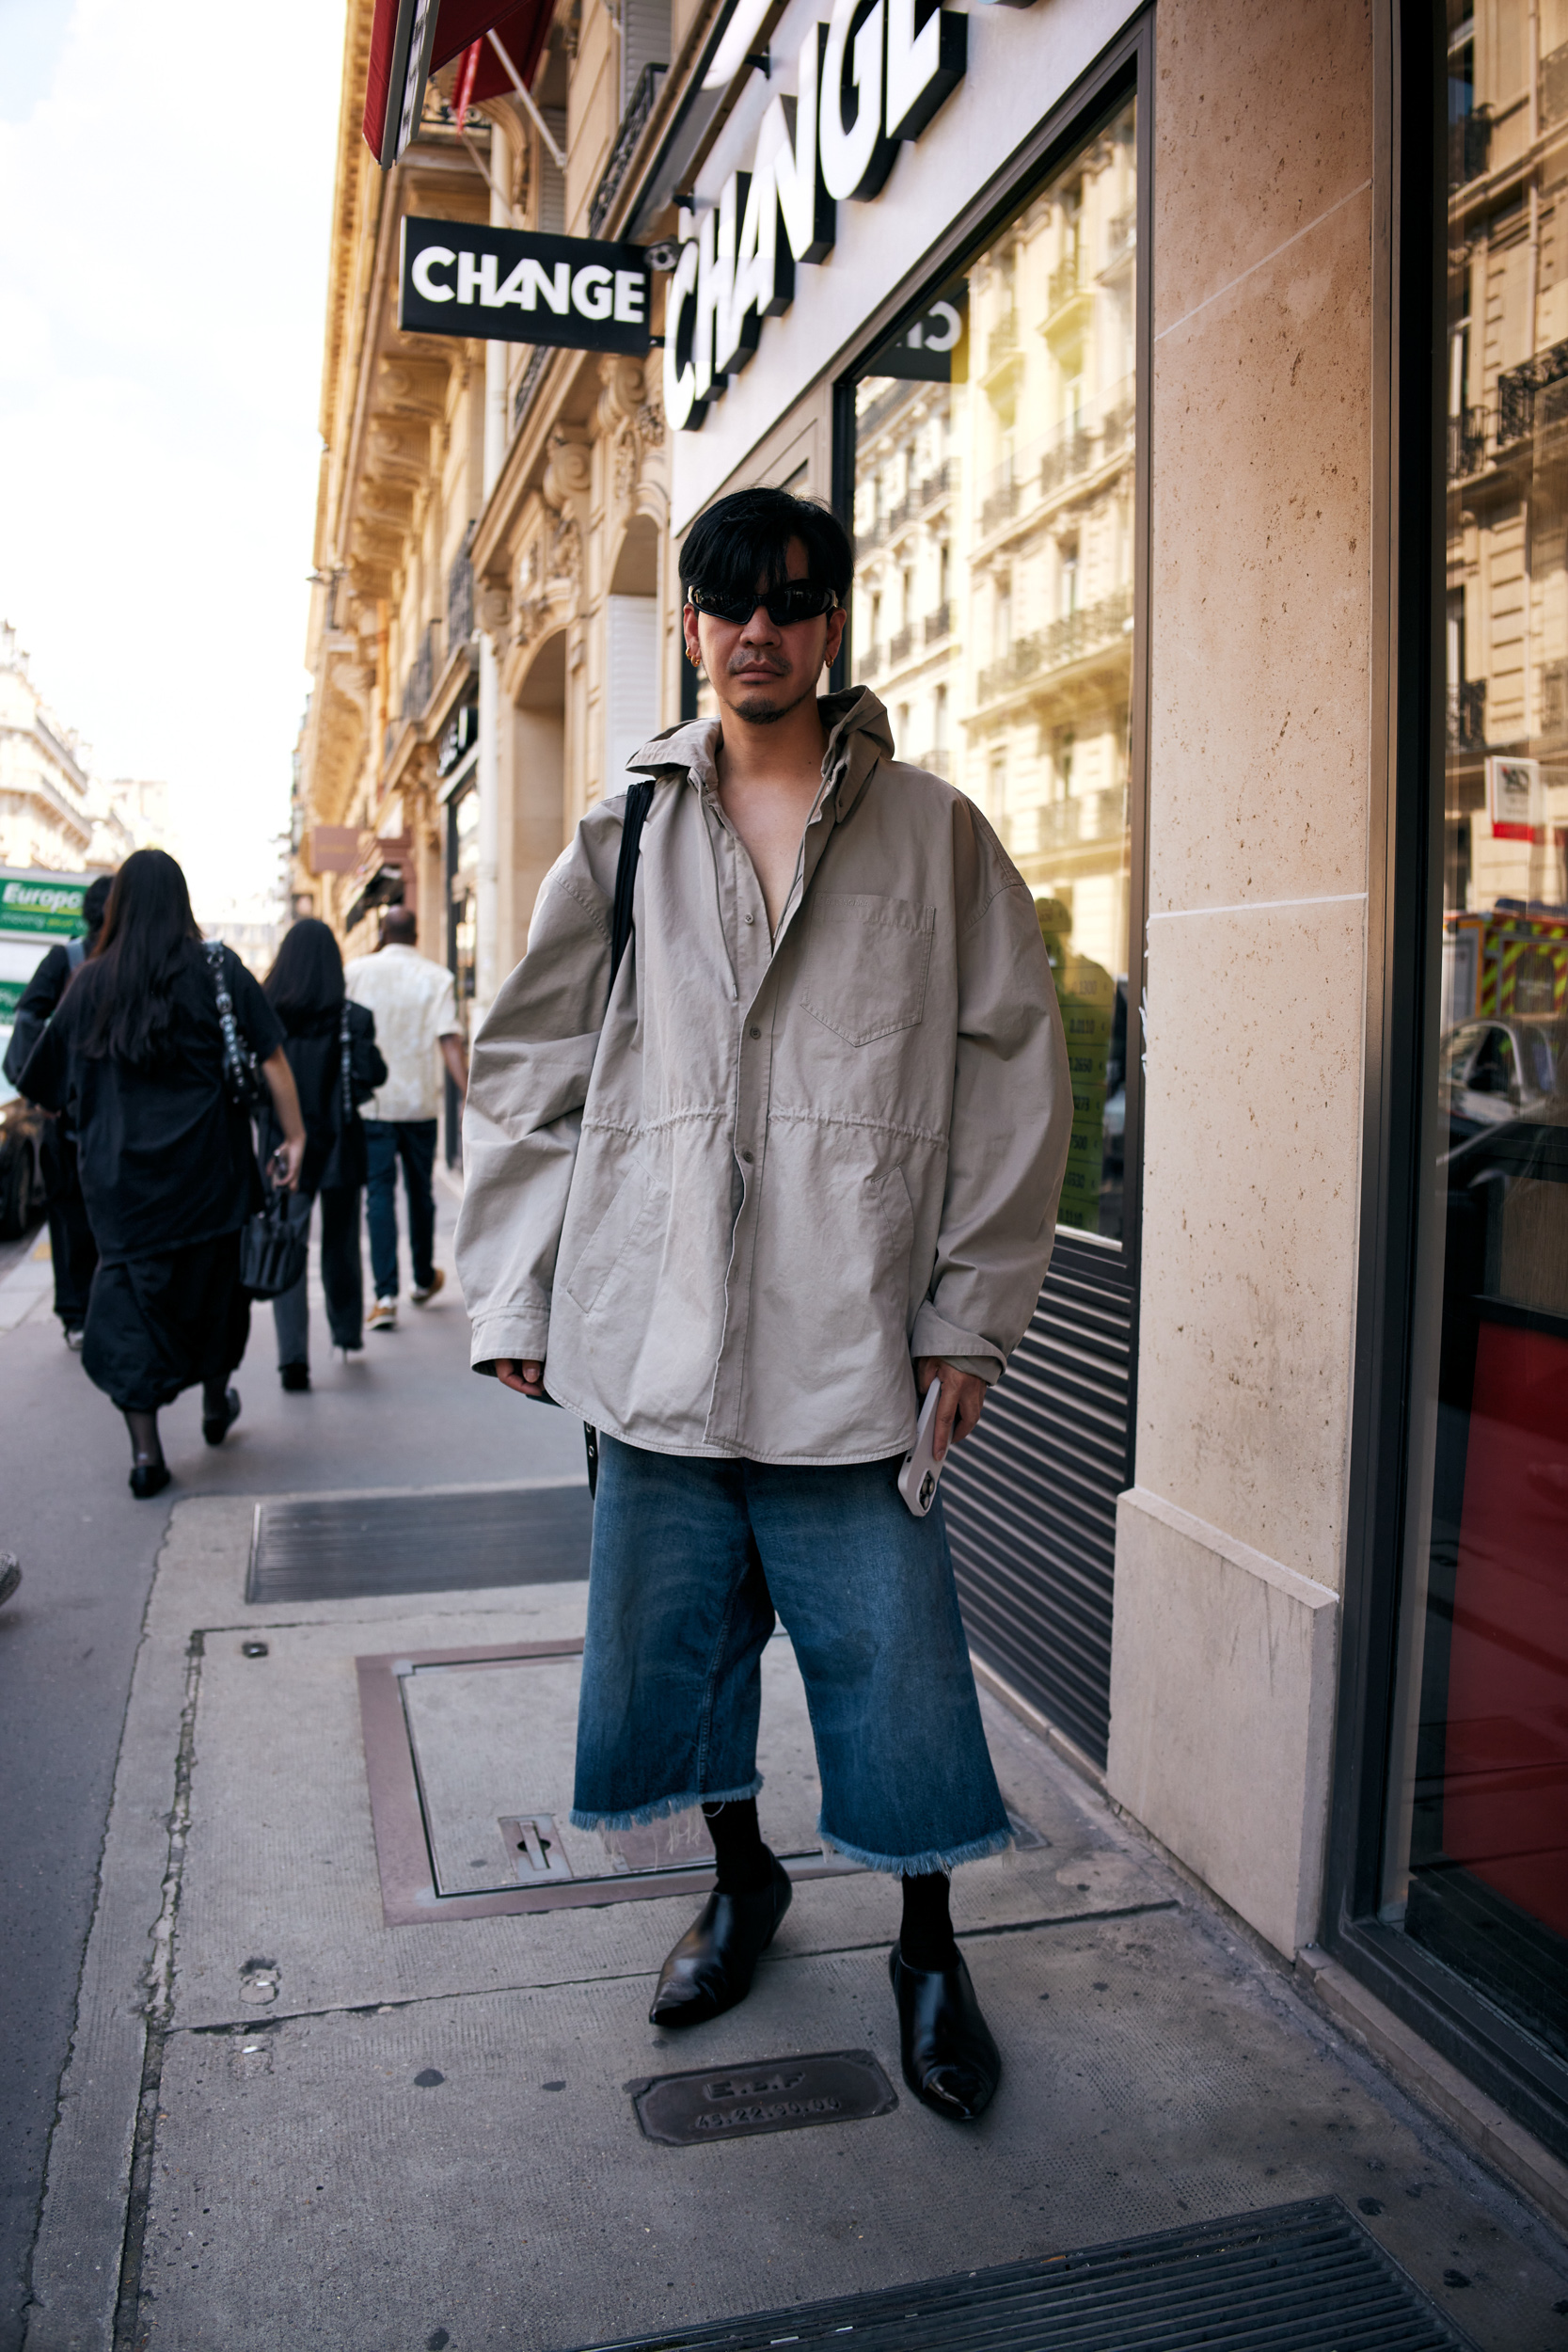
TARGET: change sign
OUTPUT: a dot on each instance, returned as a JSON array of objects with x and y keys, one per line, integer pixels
[{"x": 520, "y": 286}]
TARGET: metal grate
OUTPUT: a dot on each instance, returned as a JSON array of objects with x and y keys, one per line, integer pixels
[
  {"x": 1295, "y": 2279},
  {"x": 354, "y": 1547},
  {"x": 1031, "y": 1498}
]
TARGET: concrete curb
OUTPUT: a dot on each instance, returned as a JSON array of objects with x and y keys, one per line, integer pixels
[{"x": 76, "y": 2263}]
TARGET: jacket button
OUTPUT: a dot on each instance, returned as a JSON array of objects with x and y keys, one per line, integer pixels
[
  {"x": 747, "y": 1158},
  {"x": 754, "y": 1030}
]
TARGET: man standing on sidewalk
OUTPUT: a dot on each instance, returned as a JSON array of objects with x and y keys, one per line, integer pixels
[
  {"x": 416, "y": 1029},
  {"x": 802, "y": 1164}
]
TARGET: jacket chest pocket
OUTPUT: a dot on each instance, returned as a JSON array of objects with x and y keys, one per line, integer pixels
[{"x": 867, "y": 964}]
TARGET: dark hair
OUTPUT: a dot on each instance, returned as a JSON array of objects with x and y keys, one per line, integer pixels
[
  {"x": 307, "y": 975},
  {"x": 399, "y": 926},
  {"x": 146, "y": 925},
  {"x": 745, "y": 538},
  {"x": 95, "y": 898}
]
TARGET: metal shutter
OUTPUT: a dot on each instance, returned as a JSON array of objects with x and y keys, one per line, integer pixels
[
  {"x": 645, "y": 42},
  {"x": 1031, "y": 1498}
]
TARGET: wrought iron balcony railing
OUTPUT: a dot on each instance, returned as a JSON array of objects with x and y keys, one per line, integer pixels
[
  {"x": 1053, "y": 649},
  {"x": 899, "y": 645},
  {"x": 1466, "y": 715},
  {"x": 1469, "y": 144},
  {"x": 1517, "y": 394},
  {"x": 421, "y": 676},
  {"x": 633, "y": 123},
  {"x": 460, "y": 594},
  {"x": 1466, "y": 443},
  {"x": 939, "y": 623}
]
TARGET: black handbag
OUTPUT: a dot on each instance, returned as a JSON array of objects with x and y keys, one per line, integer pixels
[
  {"x": 242, "y": 1082},
  {"x": 274, "y": 1245}
]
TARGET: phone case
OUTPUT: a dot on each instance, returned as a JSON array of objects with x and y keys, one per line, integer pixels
[{"x": 917, "y": 1480}]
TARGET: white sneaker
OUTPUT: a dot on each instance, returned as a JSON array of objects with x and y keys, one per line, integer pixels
[
  {"x": 383, "y": 1315},
  {"x": 422, "y": 1297}
]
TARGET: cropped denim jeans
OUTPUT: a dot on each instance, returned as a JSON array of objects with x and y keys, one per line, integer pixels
[{"x": 689, "y": 1559}]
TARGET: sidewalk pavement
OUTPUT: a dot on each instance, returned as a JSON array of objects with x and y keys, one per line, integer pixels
[
  {"x": 284, "y": 2122},
  {"x": 407, "y": 1409}
]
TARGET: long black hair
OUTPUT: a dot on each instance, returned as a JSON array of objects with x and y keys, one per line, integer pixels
[
  {"x": 131, "y": 974},
  {"x": 306, "y": 976}
]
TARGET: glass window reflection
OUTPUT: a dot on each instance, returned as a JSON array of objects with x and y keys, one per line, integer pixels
[{"x": 993, "y": 596}]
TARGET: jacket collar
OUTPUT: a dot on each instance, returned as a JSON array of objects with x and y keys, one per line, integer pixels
[{"x": 859, "y": 737}]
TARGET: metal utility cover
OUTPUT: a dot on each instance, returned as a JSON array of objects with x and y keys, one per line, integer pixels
[
  {"x": 469, "y": 1757},
  {"x": 785, "y": 2095},
  {"x": 357, "y": 1546},
  {"x": 1300, "y": 2278}
]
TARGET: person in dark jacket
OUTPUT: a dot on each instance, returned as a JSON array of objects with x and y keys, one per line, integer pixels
[
  {"x": 332, "y": 1050},
  {"x": 134, "y": 1054},
  {"x": 71, "y": 1242}
]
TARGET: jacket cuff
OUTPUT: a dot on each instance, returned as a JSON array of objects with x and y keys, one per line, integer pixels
[
  {"x": 967, "y": 1351},
  {"x": 519, "y": 1336}
]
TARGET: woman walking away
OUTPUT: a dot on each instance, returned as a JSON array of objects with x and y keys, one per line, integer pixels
[
  {"x": 332, "y": 1052},
  {"x": 135, "y": 1054}
]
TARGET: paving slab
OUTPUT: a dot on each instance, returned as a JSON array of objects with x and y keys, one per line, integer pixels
[{"x": 286, "y": 2122}]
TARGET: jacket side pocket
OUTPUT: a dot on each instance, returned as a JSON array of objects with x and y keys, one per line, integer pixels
[{"x": 634, "y": 1213}]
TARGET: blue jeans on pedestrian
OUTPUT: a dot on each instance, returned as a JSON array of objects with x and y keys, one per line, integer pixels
[
  {"x": 413, "y": 1142},
  {"x": 689, "y": 1558}
]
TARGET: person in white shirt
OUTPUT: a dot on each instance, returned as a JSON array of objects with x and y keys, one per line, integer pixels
[{"x": 416, "y": 1029}]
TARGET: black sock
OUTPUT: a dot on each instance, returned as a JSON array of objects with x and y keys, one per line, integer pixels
[
  {"x": 926, "y": 1933},
  {"x": 145, "y": 1444},
  {"x": 745, "y": 1864}
]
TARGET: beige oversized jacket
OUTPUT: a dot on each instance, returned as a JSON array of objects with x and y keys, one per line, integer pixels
[{"x": 726, "y": 1216}]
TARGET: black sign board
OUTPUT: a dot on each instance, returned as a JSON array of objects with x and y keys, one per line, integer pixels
[
  {"x": 765, "y": 2095},
  {"x": 520, "y": 286}
]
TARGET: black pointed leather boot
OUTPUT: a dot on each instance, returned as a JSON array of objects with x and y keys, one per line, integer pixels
[
  {"x": 711, "y": 1967},
  {"x": 950, "y": 2062}
]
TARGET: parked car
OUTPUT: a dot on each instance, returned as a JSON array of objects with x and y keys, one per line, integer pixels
[
  {"x": 1491, "y": 1072},
  {"x": 21, "y": 1165}
]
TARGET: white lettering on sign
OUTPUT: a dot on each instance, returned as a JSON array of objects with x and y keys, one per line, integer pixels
[
  {"x": 427, "y": 260},
  {"x": 593, "y": 291},
  {"x": 859, "y": 90}
]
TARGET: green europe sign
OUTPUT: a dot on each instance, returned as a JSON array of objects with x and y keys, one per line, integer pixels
[{"x": 39, "y": 909}]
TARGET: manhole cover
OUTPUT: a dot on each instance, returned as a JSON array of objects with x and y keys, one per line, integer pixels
[
  {"x": 765, "y": 2095},
  {"x": 1300, "y": 2278},
  {"x": 356, "y": 1547}
]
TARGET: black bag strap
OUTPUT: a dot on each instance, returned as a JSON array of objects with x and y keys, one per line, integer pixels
[
  {"x": 640, "y": 797},
  {"x": 346, "y": 1066},
  {"x": 638, "y": 800}
]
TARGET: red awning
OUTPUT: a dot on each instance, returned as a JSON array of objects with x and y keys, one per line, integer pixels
[{"x": 522, "y": 28}]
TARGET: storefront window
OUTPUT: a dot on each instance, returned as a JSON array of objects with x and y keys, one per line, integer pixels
[
  {"x": 1477, "y": 1851},
  {"x": 994, "y": 586}
]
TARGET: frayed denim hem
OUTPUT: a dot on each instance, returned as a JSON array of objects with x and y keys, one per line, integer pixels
[
  {"x": 917, "y": 1866},
  {"x": 663, "y": 1807}
]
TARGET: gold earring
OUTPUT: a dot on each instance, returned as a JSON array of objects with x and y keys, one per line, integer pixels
[{"x": 695, "y": 659}]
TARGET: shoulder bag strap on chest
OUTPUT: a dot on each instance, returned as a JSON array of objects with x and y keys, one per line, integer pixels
[{"x": 638, "y": 800}]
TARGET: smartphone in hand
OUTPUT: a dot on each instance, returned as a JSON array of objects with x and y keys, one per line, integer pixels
[{"x": 917, "y": 1480}]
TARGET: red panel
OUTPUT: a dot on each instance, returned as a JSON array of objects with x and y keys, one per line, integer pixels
[
  {"x": 522, "y": 28},
  {"x": 383, "y": 34},
  {"x": 1505, "y": 1794}
]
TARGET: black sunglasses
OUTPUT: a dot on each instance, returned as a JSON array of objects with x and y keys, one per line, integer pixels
[{"x": 791, "y": 601}]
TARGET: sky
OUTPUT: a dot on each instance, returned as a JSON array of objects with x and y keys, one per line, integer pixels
[{"x": 166, "y": 188}]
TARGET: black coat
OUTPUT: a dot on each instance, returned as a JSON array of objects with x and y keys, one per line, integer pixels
[
  {"x": 334, "y": 1144},
  {"x": 165, "y": 1159}
]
